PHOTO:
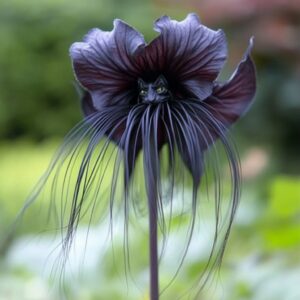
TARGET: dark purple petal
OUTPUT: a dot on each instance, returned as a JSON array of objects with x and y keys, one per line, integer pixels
[
  {"x": 231, "y": 100},
  {"x": 104, "y": 64},
  {"x": 189, "y": 52}
]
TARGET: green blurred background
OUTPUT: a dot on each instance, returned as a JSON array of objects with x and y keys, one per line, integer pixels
[{"x": 39, "y": 105}]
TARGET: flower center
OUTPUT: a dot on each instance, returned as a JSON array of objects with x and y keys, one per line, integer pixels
[{"x": 154, "y": 92}]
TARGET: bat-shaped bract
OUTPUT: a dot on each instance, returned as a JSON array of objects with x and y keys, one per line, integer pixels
[{"x": 143, "y": 96}]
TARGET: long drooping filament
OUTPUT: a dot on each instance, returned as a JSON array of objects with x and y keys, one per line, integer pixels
[{"x": 188, "y": 128}]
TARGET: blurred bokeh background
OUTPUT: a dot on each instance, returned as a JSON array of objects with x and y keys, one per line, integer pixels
[{"x": 39, "y": 105}]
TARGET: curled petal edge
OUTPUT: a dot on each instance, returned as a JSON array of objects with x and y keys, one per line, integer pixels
[
  {"x": 104, "y": 62},
  {"x": 231, "y": 100}
]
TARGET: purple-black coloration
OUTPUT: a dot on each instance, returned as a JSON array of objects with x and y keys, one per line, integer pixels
[
  {"x": 109, "y": 65},
  {"x": 143, "y": 96}
]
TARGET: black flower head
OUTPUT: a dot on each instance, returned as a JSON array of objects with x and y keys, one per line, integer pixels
[
  {"x": 168, "y": 86},
  {"x": 143, "y": 96}
]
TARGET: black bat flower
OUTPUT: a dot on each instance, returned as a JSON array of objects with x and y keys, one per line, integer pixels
[
  {"x": 143, "y": 96},
  {"x": 168, "y": 86}
]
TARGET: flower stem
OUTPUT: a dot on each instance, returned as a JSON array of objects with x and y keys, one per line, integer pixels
[{"x": 154, "y": 283}]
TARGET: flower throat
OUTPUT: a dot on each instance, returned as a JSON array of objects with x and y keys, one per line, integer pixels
[{"x": 153, "y": 92}]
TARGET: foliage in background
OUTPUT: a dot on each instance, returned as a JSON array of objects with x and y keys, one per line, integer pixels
[{"x": 37, "y": 94}]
